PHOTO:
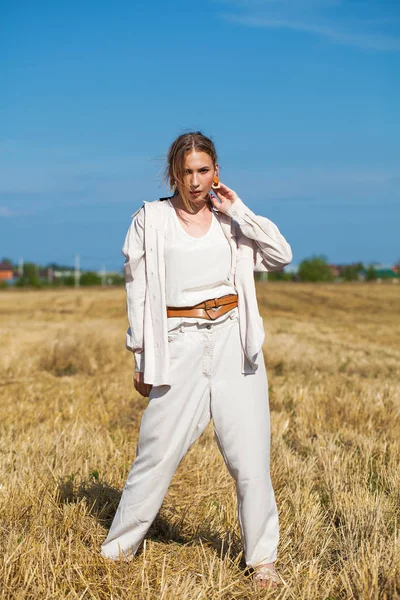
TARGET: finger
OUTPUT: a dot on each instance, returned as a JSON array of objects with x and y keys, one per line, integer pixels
[
  {"x": 222, "y": 194},
  {"x": 138, "y": 386},
  {"x": 145, "y": 390}
]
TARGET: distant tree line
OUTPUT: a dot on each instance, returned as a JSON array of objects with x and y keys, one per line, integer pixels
[
  {"x": 36, "y": 276},
  {"x": 314, "y": 269},
  {"x": 317, "y": 269}
]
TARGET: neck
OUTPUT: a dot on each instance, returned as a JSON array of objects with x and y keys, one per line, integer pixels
[{"x": 199, "y": 207}]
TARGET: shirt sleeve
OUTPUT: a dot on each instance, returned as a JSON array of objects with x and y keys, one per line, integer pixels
[
  {"x": 139, "y": 361},
  {"x": 137, "y": 355},
  {"x": 272, "y": 251},
  {"x": 135, "y": 285}
]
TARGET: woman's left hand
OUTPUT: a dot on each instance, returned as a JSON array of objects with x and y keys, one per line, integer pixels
[{"x": 226, "y": 197}]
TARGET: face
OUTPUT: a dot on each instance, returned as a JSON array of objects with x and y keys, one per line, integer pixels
[{"x": 198, "y": 175}]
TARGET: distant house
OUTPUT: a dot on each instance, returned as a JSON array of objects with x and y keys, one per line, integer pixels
[
  {"x": 46, "y": 274},
  {"x": 387, "y": 273},
  {"x": 335, "y": 270},
  {"x": 59, "y": 274},
  {"x": 6, "y": 272}
]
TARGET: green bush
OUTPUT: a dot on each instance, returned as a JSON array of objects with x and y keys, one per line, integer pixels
[
  {"x": 352, "y": 272},
  {"x": 115, "y": 279},
  {"x": 315, "y": 269},
  {"x": 29, "y": 277},
  {"x": 279, "y": 276},
  {"x": 371, "y": 274},
  {"x": 90, "y": 278},
  {"x": 68, "y": 280},
  {"x": 31, "y": 281}
]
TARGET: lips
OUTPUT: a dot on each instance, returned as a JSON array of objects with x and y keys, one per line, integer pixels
[{"x": 195, "y": 193}]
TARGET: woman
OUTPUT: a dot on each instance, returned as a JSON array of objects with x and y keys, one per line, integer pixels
[{"x": 197, "y": 337}]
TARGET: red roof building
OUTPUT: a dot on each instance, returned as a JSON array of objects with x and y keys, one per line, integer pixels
[{"x": 6, "y": 272}]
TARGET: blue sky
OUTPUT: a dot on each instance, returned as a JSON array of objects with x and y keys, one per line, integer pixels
[{"x": 301, "y": 98}]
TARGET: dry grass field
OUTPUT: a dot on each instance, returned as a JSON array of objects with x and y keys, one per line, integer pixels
[{"x": 69, "y": 419}]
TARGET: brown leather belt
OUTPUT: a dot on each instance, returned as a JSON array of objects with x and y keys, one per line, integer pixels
[{"x": 209, "y": 309}]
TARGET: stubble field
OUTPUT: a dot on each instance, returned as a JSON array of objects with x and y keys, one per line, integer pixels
[{"x": 69, "y": 420}]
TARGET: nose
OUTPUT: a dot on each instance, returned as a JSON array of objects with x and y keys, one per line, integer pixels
[{"x": 194, "y": 181}]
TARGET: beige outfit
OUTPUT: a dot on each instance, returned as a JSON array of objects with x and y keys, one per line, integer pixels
[
  {"x": 199, "y": 372},
  {"x": 256, "y": 244}
]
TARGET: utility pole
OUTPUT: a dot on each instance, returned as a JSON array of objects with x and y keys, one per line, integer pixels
[
  {"x": 77, "y": 270},
  {"x": 103, "y": 274},
  {"x": 21, "y": 267}
]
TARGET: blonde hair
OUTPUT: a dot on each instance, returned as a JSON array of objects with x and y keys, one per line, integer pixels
[{"x": 175, "y": 169}]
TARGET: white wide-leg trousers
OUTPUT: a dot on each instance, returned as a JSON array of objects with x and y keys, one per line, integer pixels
[{"x": 207, "y": 382}]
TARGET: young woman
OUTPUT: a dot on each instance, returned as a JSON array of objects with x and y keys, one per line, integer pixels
[{"x": 197, "y": 337}]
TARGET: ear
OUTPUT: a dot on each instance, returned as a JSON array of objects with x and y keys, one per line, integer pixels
[{"x": 216, "y": 168}]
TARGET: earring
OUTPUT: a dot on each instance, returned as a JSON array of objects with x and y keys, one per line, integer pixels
[{"x": 216, "y": 183}]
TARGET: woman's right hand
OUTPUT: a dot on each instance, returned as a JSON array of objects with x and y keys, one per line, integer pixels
[{"x": 143, "y": 388}]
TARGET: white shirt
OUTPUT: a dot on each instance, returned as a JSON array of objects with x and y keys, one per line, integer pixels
[
  {"x": 256, "y": 244},
  {"x": 196, "y": 268}
]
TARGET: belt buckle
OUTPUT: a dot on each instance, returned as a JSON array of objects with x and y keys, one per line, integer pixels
[{"x": 209, "y": 306}]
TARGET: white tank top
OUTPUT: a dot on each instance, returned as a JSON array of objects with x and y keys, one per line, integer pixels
[{"x": 196, "y": 269}]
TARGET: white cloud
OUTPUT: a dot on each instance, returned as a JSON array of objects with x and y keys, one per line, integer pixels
[{"x": 319, "y": 17}]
